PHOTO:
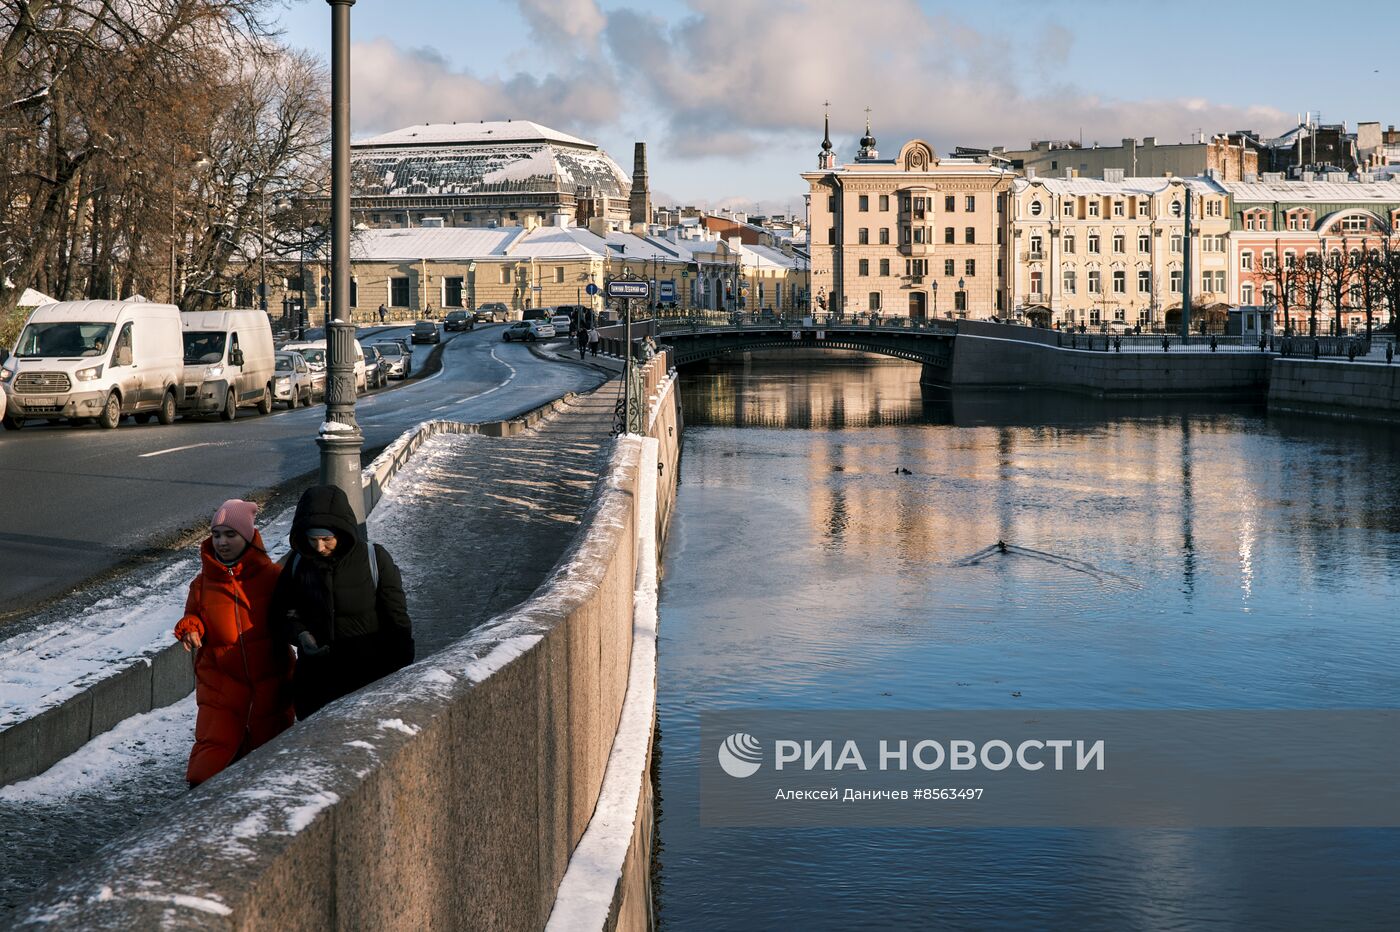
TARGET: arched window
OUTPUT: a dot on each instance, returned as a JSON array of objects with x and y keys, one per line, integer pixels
[{"x": 1036, "y": 208}]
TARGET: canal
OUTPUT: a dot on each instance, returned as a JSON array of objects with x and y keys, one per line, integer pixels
[{"x": 817, "y": 561}]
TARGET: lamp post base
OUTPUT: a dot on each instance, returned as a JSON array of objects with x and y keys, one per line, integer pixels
[{"x": 340, "y": 463}]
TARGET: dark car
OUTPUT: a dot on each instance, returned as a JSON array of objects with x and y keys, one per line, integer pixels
[
  {"x": 458, "y": 320},
  {"x": 425, "y": 331},
  {"x": 492, "y": 312}
]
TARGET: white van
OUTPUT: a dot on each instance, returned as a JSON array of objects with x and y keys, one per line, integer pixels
[
  {"x": 315, "y": 353},
  {"x": 99, "y": 359},
  {"x": 228, "y": 362}
]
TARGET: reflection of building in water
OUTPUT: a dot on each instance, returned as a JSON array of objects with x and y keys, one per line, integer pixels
[{"x": 1167, "y": 489}]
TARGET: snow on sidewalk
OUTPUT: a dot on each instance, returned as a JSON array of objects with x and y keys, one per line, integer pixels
[{"x": 41, "y": 668}]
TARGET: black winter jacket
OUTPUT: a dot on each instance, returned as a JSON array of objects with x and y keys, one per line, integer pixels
[{"x": 365, "y": 628}]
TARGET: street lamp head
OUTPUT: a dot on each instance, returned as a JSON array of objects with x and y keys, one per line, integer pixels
[{"x": 961, "y": 284}]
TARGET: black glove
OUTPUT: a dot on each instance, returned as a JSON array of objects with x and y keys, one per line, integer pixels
[{"x": 307, "y": 646}]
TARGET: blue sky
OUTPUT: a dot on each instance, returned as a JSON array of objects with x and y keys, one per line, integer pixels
[{"x": 728, "y": 93}]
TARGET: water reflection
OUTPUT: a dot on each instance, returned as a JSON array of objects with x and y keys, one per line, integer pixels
[{"x": 817, "y": 560}]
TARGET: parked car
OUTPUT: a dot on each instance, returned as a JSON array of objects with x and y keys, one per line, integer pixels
[
  {"x": 295, "y": 385},
  {"x": 493, "y": 312},
  {"x": 400, "y": 363},
  {"x": 376, "y": 368},
  {"x": 528, "y": 331},
  {"x": 315, "y": 354},
  {"x": 95, "y": 359},
  {"x": 537, "y": 313},
  {"x": 458, "y": 320},
  {"x": 228, "y": 362},
  {"x": 563, "y": 323},
  {"x": 425, "y": 331}
]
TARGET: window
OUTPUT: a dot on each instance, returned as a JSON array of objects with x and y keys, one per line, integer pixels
[
  {"x": 1247, "y": 261},
  {"x": 1354, "y": 224},
  {"x": 863, "y": 236},
  {"x": 1144, "y": 207},
  {"x": 1119, "y": 243},
  {"x": 558, "y": 274},
  {"x": 884, "y": 236},
  {"x": 1176, "y": 242},
  {"x": 1036, "y": 245},
  {"x": 1095, "y": 316},
  {"x": 1290, "y": 260},
  {"x": 864, "y": 266},
  {"x": 948, "y": 267},
  {"x": 950, "y": 203},
  {"x": 1069, "y": 244},
  {"x": 1175, "y": 208},
  {"x": 960, "y": 301},
  {"x": 1120, "y": 282},
  {"x": 452, "y": 292},
  {"x": 1036, "y": 279},
  {"x": 1246, "y": 294},
  {"x": 1118, "y": 209},
  {"x": 1094, "y": 207},
  {"x": 1144, "y": 281},
  {"x": 1176, "y": 281},
  {"x": 1035, "y": 208},
  {"x": 505, "y": 274},
  {"x": 919, "y": 208},
  {"x": 971, "y": 235},
  {"x": 864, "y": 202},
  {"x": 947, "y": 234},
  {"x": 970, "y": 267},
  {"x": 916, "y": 267},
  {"x": 884, "y": 202},
  {"x": 918, "y": 234},
  {"x": 970, "y": 204},
  {"x": 1218, "y": 284},
  {"x": 831, "y": 236},
  {"x": 354, "y": 293},
  {"x": 1093, "y": 246},
  {"x": 1068, "y": 209},
  {"x": 884, "y": 266},
  {"x": 1266, "y": 261},
  {"x": 1094, "y": 283},
  {"x": 1069, "y": 281},
  {"x": 1144, "y": 242},
  {"x": 398, "y": 292},
  {"x": 1119, "y": 314},
  {"x": 874, "y": 300}
]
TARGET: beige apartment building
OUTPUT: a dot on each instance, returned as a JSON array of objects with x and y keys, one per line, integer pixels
[
  {"x": 1099, "y": 251},
  {"x": 911, "y": 236}
]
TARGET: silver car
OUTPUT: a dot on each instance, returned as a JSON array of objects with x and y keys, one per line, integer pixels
[
  {"x": 295, "y": 384},
  {"x": 400, "y": 363}
]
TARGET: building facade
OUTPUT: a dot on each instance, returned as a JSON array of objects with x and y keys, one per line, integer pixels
[
  {"x": 1229, "y": 156},
  {"x": 911, "y": 236},
  {"x": 1099, "y": 251}
]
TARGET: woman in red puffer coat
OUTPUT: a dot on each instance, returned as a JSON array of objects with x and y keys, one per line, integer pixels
[{"x": 242, "y": 676}]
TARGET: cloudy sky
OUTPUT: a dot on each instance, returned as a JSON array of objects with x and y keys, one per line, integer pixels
[{"x": 728, "y": 93}]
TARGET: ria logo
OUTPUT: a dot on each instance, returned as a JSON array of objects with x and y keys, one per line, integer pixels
[{"x": 740, "y": 755}]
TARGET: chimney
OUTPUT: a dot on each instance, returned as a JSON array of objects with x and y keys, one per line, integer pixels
[{"x": 640, "y": 201}]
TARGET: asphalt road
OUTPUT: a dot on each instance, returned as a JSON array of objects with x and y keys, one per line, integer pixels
[{"x": 79, "y": 502}]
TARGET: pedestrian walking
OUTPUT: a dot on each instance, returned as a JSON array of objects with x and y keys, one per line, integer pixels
[
  {"x": 383, "y": 313},
  {"x": 242, "y": 672},
  {"x": 582, "y": 339},
  {"x": 594, "y": 338},
  {"x": 340, "y": 602}
]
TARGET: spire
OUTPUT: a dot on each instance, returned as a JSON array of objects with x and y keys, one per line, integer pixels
[
  {"x": 867, "y": 142},
  {"x": 827, "y": 158}
]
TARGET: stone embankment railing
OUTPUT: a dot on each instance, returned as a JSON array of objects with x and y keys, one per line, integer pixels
[{"x": 453, "y": 793}]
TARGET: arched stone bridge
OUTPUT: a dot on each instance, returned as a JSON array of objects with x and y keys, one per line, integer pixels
[{"x": 917, "y": 342}]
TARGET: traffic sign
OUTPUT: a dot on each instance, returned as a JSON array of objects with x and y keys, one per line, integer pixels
[
  {"x": 668, "y": 291},
  {"x": 592, "y": 289},
  {"x": 628, "y": 288}
]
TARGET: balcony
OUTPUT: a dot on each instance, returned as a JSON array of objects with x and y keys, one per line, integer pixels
[
  {"x": 1035, "y": 297},
  {"x": 1033, "y": 255}
]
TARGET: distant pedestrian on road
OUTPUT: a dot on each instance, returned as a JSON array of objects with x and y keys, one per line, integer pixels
[
  {"x": 347, "y": 617},
  {"x": 594, "y": 338},
  {"x": 383, "y": 313},
  {"x": 242, "y": 672}
]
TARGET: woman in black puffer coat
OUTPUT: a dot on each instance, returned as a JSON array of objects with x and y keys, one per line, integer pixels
[{"x": 348, "y": 621}]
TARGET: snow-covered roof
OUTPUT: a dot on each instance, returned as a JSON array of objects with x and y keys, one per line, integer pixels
[
  {"x": 1384, "y": 190},
  {"x": 31, "y": 298},
  {"x": 432, "y": 243},
  {"x": 424, "y": 134},
  {"x": 1136, "y": 187}
]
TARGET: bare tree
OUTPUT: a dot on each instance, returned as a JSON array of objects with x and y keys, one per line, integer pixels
[
  {"x": 1312, "y": 283},
  {"x": 1369, "y": 283},
  {"x": 1338, "y": 274},
  {"x": 1279, "y": 280}
]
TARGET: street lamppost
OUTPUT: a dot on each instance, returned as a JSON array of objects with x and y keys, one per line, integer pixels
[
  {"x": 934, "y": 286},
  {"x": 340, "y": 439},
  {"x": 962, "y": 296},
  {"x": 471, "y": 286}
]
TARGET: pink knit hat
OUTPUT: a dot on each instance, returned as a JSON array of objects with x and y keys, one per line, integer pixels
[{"x": 238, "y": 515}]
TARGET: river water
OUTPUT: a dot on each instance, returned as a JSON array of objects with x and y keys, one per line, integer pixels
[{"x": 1246, "y": 561}]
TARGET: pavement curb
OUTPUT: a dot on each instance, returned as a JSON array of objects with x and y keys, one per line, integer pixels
[{"x": 33, "y": 745}]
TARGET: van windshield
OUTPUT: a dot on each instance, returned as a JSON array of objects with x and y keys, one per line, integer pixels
[
  {"x": 64, "y": 338},
  {"x": 203, "y": 346}
]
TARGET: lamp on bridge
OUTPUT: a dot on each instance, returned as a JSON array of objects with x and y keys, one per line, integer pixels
[
  {"x": 960, "y": 303},
  {"x": 934, "y": 286}
]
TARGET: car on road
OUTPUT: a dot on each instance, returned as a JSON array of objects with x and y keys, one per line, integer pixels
[
  {"x": 563, "y": 324},
  {"x": 425, "y": 331},
  {"x": 458, "y": 320},
  {"x": 400, "y": 363},
  {"x": 492, "y": 312},
  {"x": 528, "y": 331},
  {"x": 295, "y": 385},
  {"x": 376, "y": 368},
  {"x": 315, "y": 353},
  {"x": 228, "y": 362}
]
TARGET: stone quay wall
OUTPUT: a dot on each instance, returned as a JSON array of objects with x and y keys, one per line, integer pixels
[{"x": 1361, "y": 391}]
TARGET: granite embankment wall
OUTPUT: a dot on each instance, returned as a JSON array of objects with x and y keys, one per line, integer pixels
[
  {"x": 1363, "y": 391},
  {"x": 449, "y": 795},
  {"x": 994, "y": 356}
]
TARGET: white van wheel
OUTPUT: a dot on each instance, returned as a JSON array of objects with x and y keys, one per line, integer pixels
[
  {"x": 111, "y": 414},
  {"x": 265, "y": 405},
  {"x": 230, "y": 410},
  {"x": 166, "y": 414}
]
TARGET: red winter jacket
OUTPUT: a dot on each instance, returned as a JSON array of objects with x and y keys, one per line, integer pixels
[{"x": 242, "y": 676}]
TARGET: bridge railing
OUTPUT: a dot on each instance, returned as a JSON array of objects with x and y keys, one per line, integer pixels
[
  {"x": 705, "y": 320},
  {"x": 1350, "y": 347}
]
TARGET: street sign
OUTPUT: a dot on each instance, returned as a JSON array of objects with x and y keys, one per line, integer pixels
[
  {"x": 592, "y": 289},
  {"x": 628, "y": 288},
  {"x": 668, "y": 291}
]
